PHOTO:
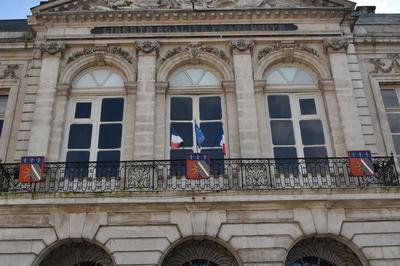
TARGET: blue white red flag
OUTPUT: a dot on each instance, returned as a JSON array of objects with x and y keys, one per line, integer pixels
[
  {"x": 200, "y": 138},
  {"x": 176, "y": 140},
  {"x": 220, "y": 141}
]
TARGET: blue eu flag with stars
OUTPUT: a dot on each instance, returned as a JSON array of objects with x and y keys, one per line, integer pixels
[{"x": 199, "y": 135}]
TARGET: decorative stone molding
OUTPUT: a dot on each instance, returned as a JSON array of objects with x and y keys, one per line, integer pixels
[
  {"x": 242, "y": 45},
  {"x": 63, "y": 89},
  {"x": 326, "y": 249},
  {"x": 292, "y": 46},
  {"x": 161, "y": 87},
  {"x": 130, "y": 87},
  {"x": 9, "y": 72},
  {"x": 102, "y": 49},
  {"x": 200, "y": 249},
  {"x": 53, "y": 48},
  {"x": 147, "y": 46},
  {"x": 336, "y": 44},
  {"x": 195, "y": 49},
  {"x": 101, "y": 5},
  {"x": 386, "y": 65}
]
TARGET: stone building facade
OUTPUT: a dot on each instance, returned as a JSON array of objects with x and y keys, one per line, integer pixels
[{"x": 97, "y": 80}]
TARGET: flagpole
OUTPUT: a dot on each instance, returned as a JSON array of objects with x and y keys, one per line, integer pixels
[{"x": 195, "y": 136}]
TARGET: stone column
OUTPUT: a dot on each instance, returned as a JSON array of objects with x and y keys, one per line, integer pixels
[
  {"x": 58, "y": 124},
  {"x": 232, "y": 138},
  {"x": 145, "y": 103},
  {"x": 333, "y": 117},
  {"x": 353, "y": 134},
  {"x": 129, "y": 125},
  {"x": 160, "y": 133},
  {"x": 247, "y": 113},
  {"x": 265, "y": 136},
  {"x": 44, "y": 106}
]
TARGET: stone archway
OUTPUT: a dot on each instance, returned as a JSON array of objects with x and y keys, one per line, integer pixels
[
  {"x": 199, "y": 253},
  {"x": 77, "y": 253},
  {"x": 321, "y": 251}
]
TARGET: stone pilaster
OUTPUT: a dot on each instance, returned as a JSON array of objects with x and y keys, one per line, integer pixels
[
  {"x": 145, "y": 103},
  {"x": 353, "y": 133},
  {"x": 265, "y": 136},
  {"x": 129, "y": 126},
  {"x": 58, "y": 124},
  {"x": 233, "y": 140},
  {"x": 247, "y": 113},
  {"x": 160, "y": 133},
  {"x": 44, "y": 106}
]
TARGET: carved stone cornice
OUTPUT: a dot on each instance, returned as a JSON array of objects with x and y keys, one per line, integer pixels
[
  {"x": 63, "y": 89},
  {"x": 259, "y": 86},
  {"x": 53, "y": 48},
  {"x": 195, "y": 49},
  {"x": 336, "y": 44},
  {"x": 390, "y": 64},
  {"x": 242, "y": 45},
  {"x": 10, "y": 72},
  {"x": 327, "y": 84},
  {"x": 161, "y": 87},
  {"x": 291, "y": 46},
  {"x": 229, "y": 86},
  {"x": 130, "y": 87},
  {"x": 147, "y": 46},
  {"x": 102, "y": 49}
]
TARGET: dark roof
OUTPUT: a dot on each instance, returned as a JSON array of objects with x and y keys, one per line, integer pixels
[
  {"x": 13, "y": 25},
  {"x": 379, "y": 19}
]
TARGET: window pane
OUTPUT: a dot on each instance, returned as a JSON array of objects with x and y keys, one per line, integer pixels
[
  {"x": 185, "y": 131},
  {"x": 114, "y": 81},
  {"x": 289, "y": 73},
  {"x": 108, "y": 164},
  {"x": 279, "y": 106},
  {"x": 312, "y": 132},
  {"x": 390, "y": 98},
  {"x": 78, "y": 156},
  {"x": 101, "y": 75},
  {"x": 285, "y": 152},
  {"x": 275, "y": 78},
  {"x": 181, "y": 80},
  {"x": 86, "y": 82},
  {"x": 3, "y": 104},
  {"x": 108, "y": 156},
  {"x": 307, "y": 107},
  {"x": 83, "y": 110},
  {"x": 181, "y": 108},
  {"x": 211, "y": 132},
  {"x": 209, "y": 80},
  {"x": 282, "y": 133},
  {"x": 112, "y": 109},
  {"x": 210, "y": 108},
  {"x": 195, "y": 75},
  {"x": 396, "y": 140},
  {"x": 110, "y": 136},
  {"x": 1, "y": 126},
  {"x": 80, "y": 136},
  {"x": 302, "y": 78},
  {"x": 394, "y": 122},
  {"x": 315, "y": 152},
  {"x": 178, "y": 168}
]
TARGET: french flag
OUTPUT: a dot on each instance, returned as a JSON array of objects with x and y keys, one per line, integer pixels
[
  {"x": 176, "y": 140},
  {"x": 220, "y": 141}
]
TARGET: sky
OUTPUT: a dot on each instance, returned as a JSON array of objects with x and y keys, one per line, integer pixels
[{"x": 14, "y": 9}]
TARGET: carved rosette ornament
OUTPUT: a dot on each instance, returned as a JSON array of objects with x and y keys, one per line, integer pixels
[
  {"x": 242, "y": 45},
  {"x": 53, "y": 48},
  {"x": 147, "y": 46},
  {"x": 9, "y": 72},
  {"x": 386, "y": 65},
  {"x": 336, "y": 44}
]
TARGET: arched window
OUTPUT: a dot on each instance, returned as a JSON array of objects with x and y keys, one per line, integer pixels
[
  {"x": 95, "y": 118},
  {"x": 296, "y": 114},
  {"x": 195, "y": 98}
]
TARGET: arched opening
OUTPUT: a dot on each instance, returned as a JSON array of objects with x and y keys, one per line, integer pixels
[
  {"x": 199, "y": 253},
  {"x": 318, "y": 251},
  {"x": 77, "y": 253}
]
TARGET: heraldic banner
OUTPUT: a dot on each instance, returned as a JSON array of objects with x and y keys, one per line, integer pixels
[
  {"x": 31, "y": 169},
  {"x": 198, "y": 166},
  {"x": 360, "y": 163}
]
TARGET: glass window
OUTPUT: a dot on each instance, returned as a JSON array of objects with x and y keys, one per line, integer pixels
[
  {"x": 285, "y": 152},
  {"x": 312, "y": 132},
  {"x": 83, "y": 110},
  {"x": 211, "y": 131},
  {"x": 193, "y": 76},
  {"x": 110, "y": 136},
  {"x": 185, "y": 131},
  {"x": 279, "y": 106},
  {"x": 210, "y": 108},
  {"x": 282, "y": 132},
  {"x": 307, "y": 107},
  {"x": 181, "y": 108},
  {"x": 289, "y": 75},
  {"x": 315, "y": 152},
  {"x": 99, "y": 78},
  {"x": 394, "y": 122},
  {"x": 80, "y": 136},
  {"x": 390, "y": 98},
  {"x": 112, "y": 109},
  {"x": 3, "y": 107},
  {"x": 396, "y": 140}
]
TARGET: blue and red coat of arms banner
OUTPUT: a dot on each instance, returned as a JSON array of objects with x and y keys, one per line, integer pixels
[
  {"x": 198, "y": 166},
  {"x": 31, "y": 169},
  {"x": 360, "y": 163}
]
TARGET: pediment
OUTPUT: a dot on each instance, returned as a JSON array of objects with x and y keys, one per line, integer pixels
[{"x": 136, "y": 5}]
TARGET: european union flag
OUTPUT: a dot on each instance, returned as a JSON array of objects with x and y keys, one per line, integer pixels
[{"x": 199, "y": 135}]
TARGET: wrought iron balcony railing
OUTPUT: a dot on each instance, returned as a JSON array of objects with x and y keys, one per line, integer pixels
[{"x": 228, "y": 174}]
